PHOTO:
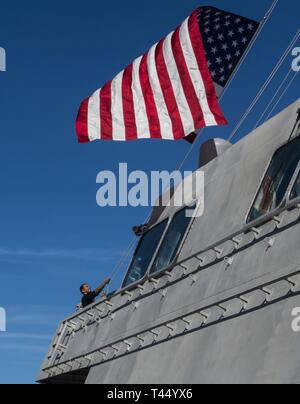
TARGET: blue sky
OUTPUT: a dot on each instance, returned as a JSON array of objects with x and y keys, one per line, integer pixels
[{"x": 53, "y": 235}]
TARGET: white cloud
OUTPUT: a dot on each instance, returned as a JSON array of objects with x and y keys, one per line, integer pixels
[
  {"x": 23, "y": 342},
  {"x": 100, "y": 254},
  {"x": 24, "y": 336},
  {"x": 21, "y": 347},
  {"x": 40, "y": 319}
]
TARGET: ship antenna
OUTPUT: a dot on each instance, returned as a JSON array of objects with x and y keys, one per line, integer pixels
[
  {"x": 264, "y": 114},
  {"x": 282, "y": 95},
  {"x": 297, "y": 123},
  {"x": 265, "y": 86}
]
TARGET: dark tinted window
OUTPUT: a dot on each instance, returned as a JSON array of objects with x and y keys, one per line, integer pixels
[
  {"x": 172, "y": 241},
  {"x": 277, "y": 180},
  {"x": 144, "y": 254}
]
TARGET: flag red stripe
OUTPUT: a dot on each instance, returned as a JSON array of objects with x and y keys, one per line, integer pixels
[
  {"x": 105, "y": 111},
  {"x": 186, "y": 81},
  {"x": 179, "y": 96},
  {"x": 197, "y": 42},
  {"x": 151, "y": 108},
  {"x": 82, "y": 122},
  {"x": 128, "y": 105},
  {"x": 167, "y": 90}
]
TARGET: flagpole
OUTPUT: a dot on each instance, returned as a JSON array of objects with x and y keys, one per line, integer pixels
[{"x": 254, "y": 39}]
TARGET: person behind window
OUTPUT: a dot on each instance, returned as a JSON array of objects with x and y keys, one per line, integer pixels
[
  {"x": 277, "y": 180},
  {"x": 89, "y": 296},
  {"x": 265, "y": 199},
  {"x": 268, "y": 198}
]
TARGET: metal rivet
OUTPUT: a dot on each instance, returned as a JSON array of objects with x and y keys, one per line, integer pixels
[{"x": 256, "y": 231}]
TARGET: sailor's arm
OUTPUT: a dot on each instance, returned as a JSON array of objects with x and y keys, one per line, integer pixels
[{"x": 101, "y": 288}]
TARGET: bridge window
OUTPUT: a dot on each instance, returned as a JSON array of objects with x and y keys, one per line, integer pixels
[
  {"x": 144, "y": 254},
  {"x": 277, "y": 180},
  {"x": 172, "y": 241}
]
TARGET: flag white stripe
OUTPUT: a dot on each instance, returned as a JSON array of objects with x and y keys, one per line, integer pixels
[
  {"x": 197, "y": 79},
  {"x": 163, "y": 113},
  {"x": 142, "y": 123},
  {"x": 118, "y": 126},
  {"x": 183, "y": 106},
  {"x": 94, "y": 121}
]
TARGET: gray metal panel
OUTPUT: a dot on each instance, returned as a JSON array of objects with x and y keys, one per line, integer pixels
[
  {"x": 257, "y": 348},
  {"x": 240, "y": 274},
  {"x": 232, "y": 181}
]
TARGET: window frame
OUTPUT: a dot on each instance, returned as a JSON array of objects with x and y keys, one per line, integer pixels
[
  {"x": 144, "y": 278},
  {"x": 180, "y": 247},
  {"x": 291, "y": 200},
  {"x": 148, "y": 274},
  {"x": 286, "y": 199}
]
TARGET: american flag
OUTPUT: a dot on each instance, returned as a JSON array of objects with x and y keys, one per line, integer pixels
[
  {"x": 226, "y": 38},
  {"x": 171, "y": 91}
]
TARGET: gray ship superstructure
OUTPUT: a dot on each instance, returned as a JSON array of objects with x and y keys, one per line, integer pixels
[{"x": 210, "y": 299}]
